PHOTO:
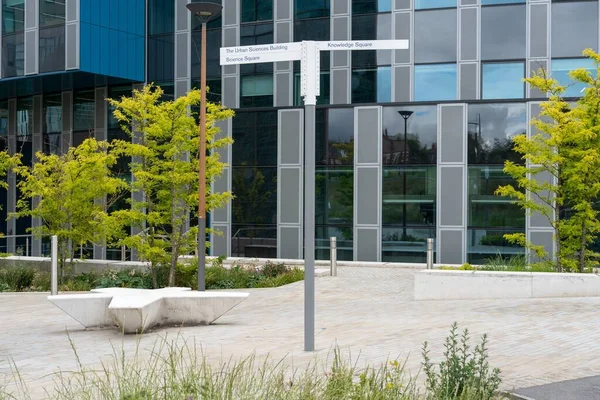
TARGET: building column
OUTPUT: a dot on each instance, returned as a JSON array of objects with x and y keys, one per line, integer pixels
[
  {"x": 11, "y": 195},
  {"x": 402, "y": 68},
  {"x": 136, "y": 196},
  {"x": 341, "y": 74},
  {"x": 538, "y": 43},
  {"x": 290, "y": 183},
  {"x": 538, "y": 229},
  {"x": 283, "y": 78},
  {"x": 230, "y": 74},
  {"x": 183, "y": 46},
  {"x": 451, "y": 197},
  {"x": 469, "y": 65},
  {"x": 367, "y": 183},
  {"x": 38, "y": 123},
  {"x": 100, "y": 122},
  {"x": 72, "y": 34},
  {"x": 31, "y": 37},
  {"x": 220, "y": 242}
]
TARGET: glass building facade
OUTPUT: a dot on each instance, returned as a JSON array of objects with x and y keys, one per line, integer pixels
[{"x": 410, "y": 144}]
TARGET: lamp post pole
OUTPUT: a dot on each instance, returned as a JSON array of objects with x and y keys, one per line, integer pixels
[
  {"x": 406, "y": 115},
  {"x": 204, "y": 11}
]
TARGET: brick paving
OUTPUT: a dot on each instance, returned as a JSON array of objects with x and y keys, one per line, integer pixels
[{"x": 366, "y": 311}]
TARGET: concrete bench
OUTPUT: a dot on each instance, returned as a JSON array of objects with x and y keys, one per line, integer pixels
[{"x": 137, "y": 310}]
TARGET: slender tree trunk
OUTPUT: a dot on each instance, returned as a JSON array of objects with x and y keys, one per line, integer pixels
[
  {"x": 153, "y": 272},
  {"x": 583, "y": 246}
]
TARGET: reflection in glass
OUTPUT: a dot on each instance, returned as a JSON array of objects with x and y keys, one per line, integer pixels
[
  {"x": 213, "y": 66},
  {"x": 24, "y": 129},
  {"x": 435, "y": 82},
  {"x": 324, "y": 89},
  {"x": 483, "y": 244},
  {"x": 311, "y": 8},
  {"x": 574, "y": 27},
  {"x": 161, "y": 51},
  {"x": 491, "y": 128},
  {"x": 313, "y": 29},
  {"x": 3, "y": 121},
  {"x": 344, "y": 242},
  {"x": 252, "y": 35},
  {"x": 52, "y": 12},
  {"x": 257, "y": 10},
  {"x": 503, "y": 80},
  {"x": 372, "y": 85},
  {"x": 13, "y": 16},
  {"x": 256, "y": 91},
  {"x": 116, "y": 93},
  {"x": 52, "y": 113},
  {"x": 83, "y": 112},
  {"x": 255, "y": 137},
  {"x": 503, "y": 34},
  {"x": 52, "y": 49},
  {"x": 254, "y": 241},
  {"x": 560, "y": 72},
  {"x": 420, "y": 146},
  {"x": 161, "y": 17},
  {"x": 435, "y": 36},
  {"x": 13, "y": 55},
  {"x": 335, "y": 136},
  {"x": 423, "y": 4}
]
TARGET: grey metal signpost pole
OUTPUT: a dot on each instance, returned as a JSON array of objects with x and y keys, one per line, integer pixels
[{"x": 308, "y": 53}]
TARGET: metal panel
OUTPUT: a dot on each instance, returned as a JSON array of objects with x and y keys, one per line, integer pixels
[
  {"x": 367, "y": 190},
  {"x": 468, "y": 34},
  {"x": 31, "y": 14},
  {"x": 289, "y": 242},
  {"x": 224, "y": 126},
  {"x": 220, "y": 243},
  {"x": 402, "y": 77},
  {"x": 537, "y": 220},
  {"x": 340, "y": 7},
  {"x": 367, "y": 135},
  {"x": 290, "y": 136},
  {"x": 71, "y": 10},
  {"x": 183, "y": 16},
  {"x": 468, "y": 2},
  {"x": 230, "y": 12},
  {"x": 451, "y": 192},
  {"x": 538, "y": 30},
  {"x": 452, "y": 127},
  {"x": 71, "y": 46},
  {"x": 31, "y": 53},
  {"x": 283, "y": 9},
  {"x": 221, "y": 185},
  {"x": 283, "y": 32},
  {"x": 340, "y": 90},
  {"x": 289, "y": 185},
  {"x": 181, "y": 88},
  {"x": 230, "y": 37},
  {"x": 535, "y": 65},
  {"x": 451, "y": 247},
  {"x": 402, "y": 5},
  {"x": 283, "y": 89},
  {"x": 367, "y": 244},
  {"x": 230, "y": 91},
  {"x": 545, "y": 239},
  {"x": 182, "y": 54},
  {"x": 403, "y": 29},
  {"x": 340, "y": 30},
  {"x": 468, "y": 81}
]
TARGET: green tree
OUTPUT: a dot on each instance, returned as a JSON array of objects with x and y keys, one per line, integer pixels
[
  {"x": 560, "y": 177},
  {"x": 65, "y": 189},
  {"x": 164, "y": 172}
]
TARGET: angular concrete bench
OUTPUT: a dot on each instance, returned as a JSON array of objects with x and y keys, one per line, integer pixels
[{"x": 137, "y": 310}]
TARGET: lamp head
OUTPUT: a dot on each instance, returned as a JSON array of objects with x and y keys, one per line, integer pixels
[
  {"x": 205, "y": 11},
  {"x": 405, "y": 113}
]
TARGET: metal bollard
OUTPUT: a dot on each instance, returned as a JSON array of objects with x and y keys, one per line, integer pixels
[
  {"x": 429, "y": 253},
  {"x": 54, "y": 263},
  {"x": 333, "y": 256}
]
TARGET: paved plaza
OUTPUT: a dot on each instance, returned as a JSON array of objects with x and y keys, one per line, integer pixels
[{"x": 367, "y": 311}]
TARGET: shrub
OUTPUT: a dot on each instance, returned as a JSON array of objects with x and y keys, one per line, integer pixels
[
  {"x": 17, "y": 278},
  {"x": 4, "y": 287},
  {"x": 271, "y": 270},
  {"x": 123, "y": 278},
  {"x": 41, "y": 282},
  {"x": 463, "y": 374}
]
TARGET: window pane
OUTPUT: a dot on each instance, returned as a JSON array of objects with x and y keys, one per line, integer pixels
[
  {"x": 486, "y": 2},
  {"x": 422, "y": 4},
  {"x": 335, "y": 136},
  {"x": 491, "y": 128},
  {"x": 116, "y": 93},
  {"x": 257, "y": 91},
  {"x": 53, "y": 113},
  {"x": 384, "y": 84},
  {"x": 52, "y": 49},
  {"x": 3, "y": 122},
  {"x": 324, "y": 95},
  {"x": 13, "y": 16},
  {"x": 435, "y": 36},
  {"x": 483, "y": 244},
  {"x": 574, "y": 28},
  {"x": 52, "y": 12},
  {"x": 311, "y": 8},
  {"x": 503, "y": 81},
  {"x": 344, "y": 243},
  {"x": 560, "y": 72},
  {"x": 503, "y": 32},
  {"x": 364, "y": 27},
  {"x": 161, "y": 51},
  {"x": 420, "y": 146},
  {"x": 83, "y": 112},
  {"x": 314, "y": 29},
  {"x": 435, "y": 82},
  {"x": 364, "y": 86},
  {"x": 364, "y": 7},
  {"x": 253, "y": 35},
  {"x": 255, "y": 136},
  {"x": 334, "y": 189},
  {"x": 257, "y": 10},
  {"x": 161, "y": 17},
  {"x": 255, "y": 191},
  {"x": 13, "y": 55},
  {"x": 24, "y": 117},
  {"x": 213, "y": 40}
]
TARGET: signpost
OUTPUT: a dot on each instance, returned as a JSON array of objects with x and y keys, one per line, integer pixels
[{"x": 308, "y": 53}]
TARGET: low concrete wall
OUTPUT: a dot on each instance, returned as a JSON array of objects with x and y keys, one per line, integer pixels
[{"x": 463, "y": 285}]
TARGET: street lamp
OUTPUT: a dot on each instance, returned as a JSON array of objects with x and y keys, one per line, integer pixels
[
  {"x": 405, "y": 114},
  {"x": 205, "y": 12}
]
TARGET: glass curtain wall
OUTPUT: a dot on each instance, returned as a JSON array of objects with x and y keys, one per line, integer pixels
[
  {"x": 256, "y": 87},
  {"x": 254, "y": 184},
  {"x": 83, "y": 116},
  {"x": 213, "y": 66},
  {"x": 52, "y": 35},
  {"x": 52, "y": 108},
  {"x": 25, "y": 147},
  {"x": 13, "y": 38},
  {"x": 3, "y": 192},
  {"x": 161, "y": 42},
  {"x": 409, "y": 182},
  {"x": 334, "y": 182},
  {"x": 491, "y": 128}
]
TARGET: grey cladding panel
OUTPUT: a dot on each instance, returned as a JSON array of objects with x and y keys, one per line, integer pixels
[
  {"x": 545, "y": 239},
  {"x": 340, "y": 7},
  {"x": 452, "y": 147},
  {"x": 451, "y": 247},
  {"x": 468, "y": 2},
  {"x": 30, "y": 13},
  {"x": 181, "y": 53},
  {"x": 468, "y": 34},
  {"x": 284, "y": 9},
  {"x": 367, "y": 244},
  {"x": 230, "y": 37},
  {"x": 289, "y": 207},
  {"x": 230, "y": 91},
  {"x": 537, "y": 220},
  {"x": 402, "y": 4},
  {"x": 283, "y": 32},
  {"x": 289, "y": 242},
  {"x": 223, "y": 151},
  {"x": 535, "y": 65},
  {"x": 367, "y": 195},
  {"x": 538, "y": 46},
  {"x": 290, "y": 136},
  {"x": 71, "y": 46},
  {"x": 403, "y": 30},
  {"x": 402, "y": 83},
  {"x": 221, "y": 185},
  {"x": 468, "y": 81},
  {"x": 71, "y": 10},
  {"x": 230, "y": 9},
  {"x": 182, "y": 15},
  {"x": 367, "y": 135},
  {"x": 452, "y": 188},
  {"x": 340, "y": 59},
  {"x": 31, "y": 52},
  {"x": 340, "y": 29},
  {"x": 220, "y": 241},
  {"x": 339, "y": 87},
  {"x": 283, "y": 83},
  {"x": 181, "y": 88}
]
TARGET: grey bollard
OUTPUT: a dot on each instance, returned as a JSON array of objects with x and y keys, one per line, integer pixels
[
  {"x": 54, "y": 263},
  {"x": 429, "y": 253},
  {"x": 333, "y": 256}
]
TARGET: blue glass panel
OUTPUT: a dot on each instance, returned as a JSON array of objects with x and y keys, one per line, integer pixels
[
  {"x": 503, "y": 81},
  {"x": 423, "y": 4},
  {"x": 485, "y": 2},
  {"x": 435, "y": 82},
  {"x": 560, "y": 72},
  {"x": 384, "y": 84},
  {"x": 84, "y": 10},
  {"x": 384, "y": 5}
]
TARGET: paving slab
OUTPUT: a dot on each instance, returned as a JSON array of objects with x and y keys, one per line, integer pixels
[{"x": 575, "y": 389}]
